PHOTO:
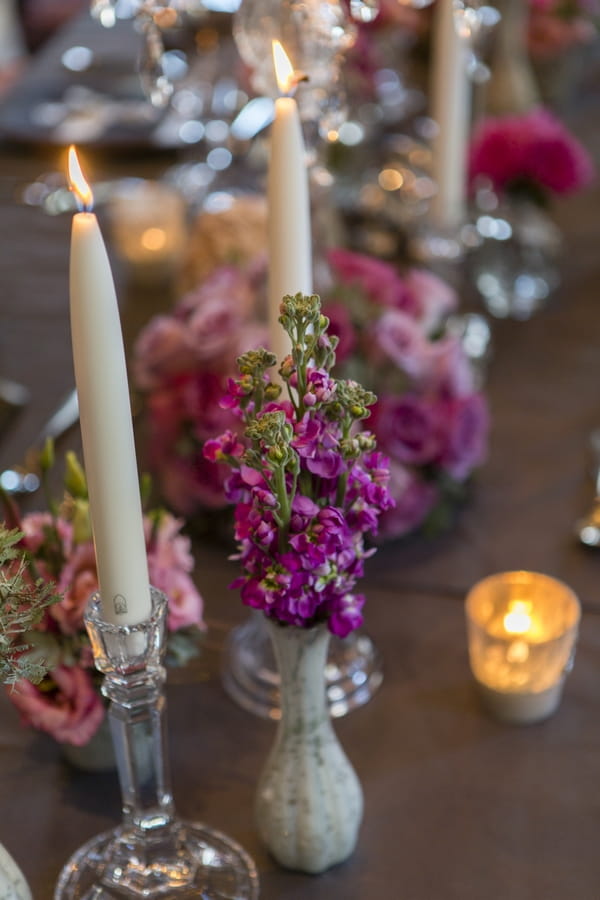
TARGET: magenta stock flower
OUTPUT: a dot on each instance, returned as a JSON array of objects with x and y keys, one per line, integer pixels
[
  {"x": 307, "y": 488},
  {"x": 534, "y": 147}
]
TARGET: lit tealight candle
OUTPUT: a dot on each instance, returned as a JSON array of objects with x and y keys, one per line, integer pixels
[
  {"x": 522, "y": 628},
  {"x": 147, "y": 221},
  {"x": 105, "y": 413},
  {"x": 289, "y": 232}
]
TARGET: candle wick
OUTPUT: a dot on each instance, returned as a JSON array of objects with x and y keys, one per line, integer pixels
[{"x": 294, "y": 80}]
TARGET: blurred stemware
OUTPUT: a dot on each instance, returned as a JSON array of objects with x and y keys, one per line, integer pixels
[
  {"x": 315, "y": 34},
  {"x": 474, "y": 21}
]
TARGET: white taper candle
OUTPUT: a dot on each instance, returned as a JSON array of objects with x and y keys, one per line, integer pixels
[
  {"x": 289, "y": 231},
  {"x": 106, "y": 424},
  {"x": 450, "y": 108}
]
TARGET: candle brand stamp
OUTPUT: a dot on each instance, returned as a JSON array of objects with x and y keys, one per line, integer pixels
[{"x": 120, "y": 604}]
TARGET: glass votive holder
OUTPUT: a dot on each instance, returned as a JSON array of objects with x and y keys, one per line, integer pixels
[
  {"x": 521, "y": 628},
  {"x": 148, "y": 228}
]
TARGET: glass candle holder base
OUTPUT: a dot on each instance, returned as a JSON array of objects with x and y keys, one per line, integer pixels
[
  {"x": 153, "y": 853},
  {"x": 525, "y": 708},
  {"x": 353, "y": 672},
  {"x": 186, "y": 860}
]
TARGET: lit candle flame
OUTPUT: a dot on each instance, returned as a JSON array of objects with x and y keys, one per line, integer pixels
[
  {"x": 517, "y": 620},
  {"x": 77, "y": 182},
  {"x": 284, "y": 70}
]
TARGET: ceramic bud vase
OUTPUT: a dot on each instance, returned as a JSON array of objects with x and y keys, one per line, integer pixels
[
  {"x": 309, "y": 800},
  {"x": 12, "y": 881}
]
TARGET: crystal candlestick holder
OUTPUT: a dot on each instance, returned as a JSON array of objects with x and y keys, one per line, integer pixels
[{"x": 152, "y": 853}]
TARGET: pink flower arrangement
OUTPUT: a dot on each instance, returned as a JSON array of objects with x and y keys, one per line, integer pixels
[
  {"x": 59, "y": 549},
  {"x": 181, "y": 363},
  {"x": 530, "y": 151},
  {"x": 429, "y": 419},
  {"x": 557, "y": 25}
]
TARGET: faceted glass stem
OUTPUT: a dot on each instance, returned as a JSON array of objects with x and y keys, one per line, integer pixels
[{"x": 152, "y": 853}]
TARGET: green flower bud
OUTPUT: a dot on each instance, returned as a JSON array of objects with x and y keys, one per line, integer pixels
[
  {"x": 75, "y": 482},
  {"x": 80, "y": 520},
  {"x": 46, "y": 460}
]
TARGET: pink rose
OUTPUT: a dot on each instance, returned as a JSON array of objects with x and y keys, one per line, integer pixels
[
  {"x": 78, "y": 581},
  {"x": 448, "y": 369},
  {"x": 399, "y": 338},
  {"x": 225, "y": 281},
  {"x": 212, "y": 329},
  {"x": 162, "y": 349},
  {"x": 379, "y": 280},
  {"x": 169, "y": 562},
  {"x": 415, "y": 498},
  {"x": 71, "y": 714},
  {"x": 167, "y": 547},
  {"x": 407, "y": 428},
  {"x": 433, "y": 298},
  {"x": 467, "y": 424},
  {"x": 185, "y": 603}
]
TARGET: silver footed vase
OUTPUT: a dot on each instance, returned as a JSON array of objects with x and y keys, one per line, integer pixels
[{"x": 309, "y": 800}]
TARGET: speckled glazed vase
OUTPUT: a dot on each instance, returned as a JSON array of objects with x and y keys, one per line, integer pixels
[
  {"x": 12, "y": 881},
  {"x": 309, "y": 800}
]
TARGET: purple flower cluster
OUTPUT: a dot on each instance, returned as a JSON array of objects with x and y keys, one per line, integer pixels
[{"x": 307, "y": 489}]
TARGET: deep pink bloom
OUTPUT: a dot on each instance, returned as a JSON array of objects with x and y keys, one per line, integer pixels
[
  {"x": 407, "y": 428},
  {"x": 415, "y": 498},
  {"x": 164, "y": 348},
  {"x": 466, "y": 435},
  {"x": 398, "y": 337},
  {"x": 72, "y": 713},
  {"x": 431, "y": 298},
  {"x": 534, "y": 147},
  {"x": 379, "y": 280}
]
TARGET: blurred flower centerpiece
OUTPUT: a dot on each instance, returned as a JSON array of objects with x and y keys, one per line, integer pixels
[
  {"x": 181, "y": 365},
  {"x": 58, "y": 548},
  {"x": 307, "y": 487},
  {"x": 517, "y": 165},
  {"x": 430, "y": 418},
  {"x": 560, "y": 35}
]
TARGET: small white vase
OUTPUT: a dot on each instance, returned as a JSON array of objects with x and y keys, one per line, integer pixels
[
  {"x": 309, "y": 800},
  {"x": 12, "y": 881}
]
